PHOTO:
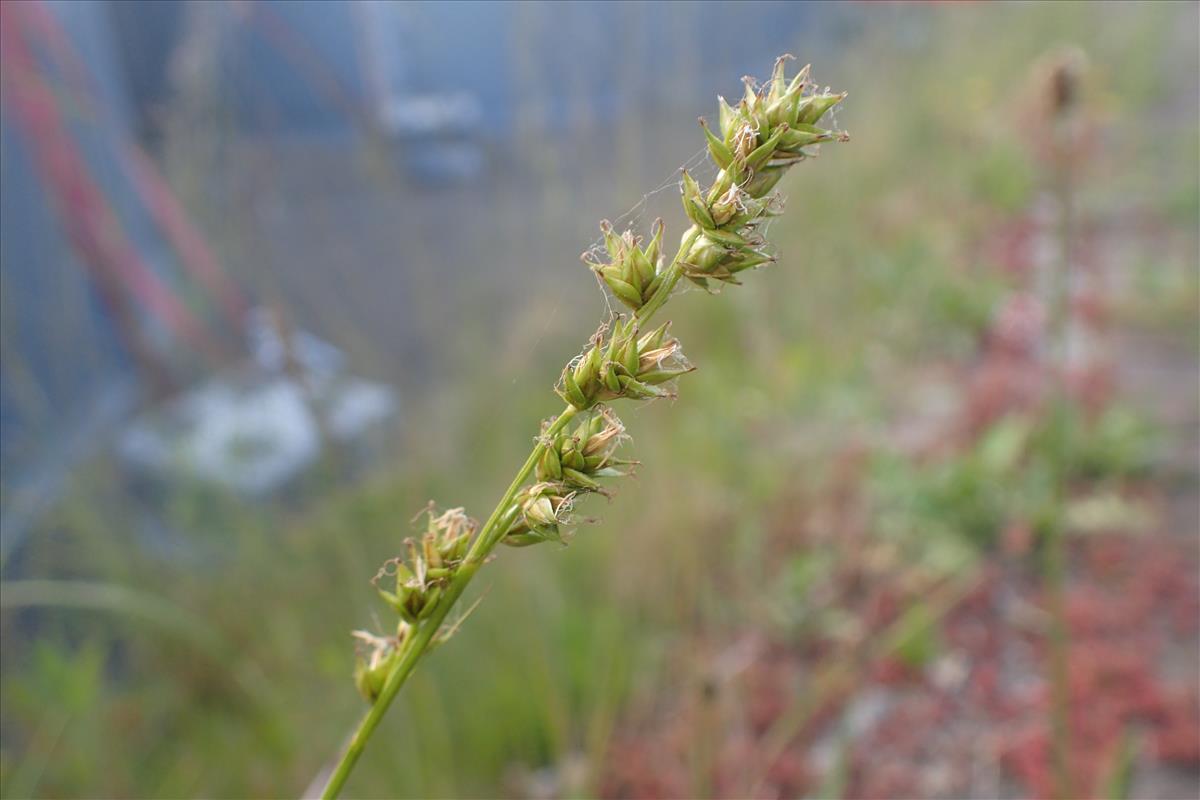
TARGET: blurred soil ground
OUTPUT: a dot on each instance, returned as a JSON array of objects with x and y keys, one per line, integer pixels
[{"x": 973, "y": 720}]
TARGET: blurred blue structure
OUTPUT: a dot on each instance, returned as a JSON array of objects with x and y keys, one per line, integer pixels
[{"x": 94, "y": 328}]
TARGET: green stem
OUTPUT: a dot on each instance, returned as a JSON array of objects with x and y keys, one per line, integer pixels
[
  {"x": 417, "y": 645},
  {"x": 674, "y": 272}
]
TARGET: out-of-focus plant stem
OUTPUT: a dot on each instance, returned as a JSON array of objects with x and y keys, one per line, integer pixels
[
  {"x": 1054, "y": 566},
  {"x": 1054, "y": 562},
  {"x": 834, "y": 679},
  {"x": 144, "y": 607}
]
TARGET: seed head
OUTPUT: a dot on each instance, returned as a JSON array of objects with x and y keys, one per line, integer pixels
[
  {"x": 614, "y": 366},
  {"x": 375, "y": 657},
  {"x": 772, "y": 123},
  {"x": 771, "y": 128},
  {"x": 577, "y": 459},
  {"x": 633, "y": 273},
  {"x": 431, "y": 562},
  {"x": 538, "y": 513}
]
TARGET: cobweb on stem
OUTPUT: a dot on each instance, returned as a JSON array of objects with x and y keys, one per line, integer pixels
[{"x": 639, "y": 216}]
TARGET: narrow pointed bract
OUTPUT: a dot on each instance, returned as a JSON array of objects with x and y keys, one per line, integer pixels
[{"x": 631, "y": 271}]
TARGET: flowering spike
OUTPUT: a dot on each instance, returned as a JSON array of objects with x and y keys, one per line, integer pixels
[{"x": 773, "y": 127}]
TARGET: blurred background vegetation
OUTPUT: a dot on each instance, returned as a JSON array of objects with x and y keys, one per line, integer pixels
[{"x": 846, "y": 468}]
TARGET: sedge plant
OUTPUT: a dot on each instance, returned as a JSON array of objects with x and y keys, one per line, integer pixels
[{"x": 772, "y": 128}]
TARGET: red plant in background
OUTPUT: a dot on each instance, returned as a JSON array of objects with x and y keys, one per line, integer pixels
[
  {"x": 1009, "y": 377},
  {"x": 1116, "y": 683}
]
